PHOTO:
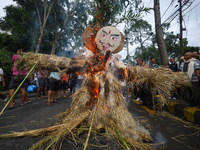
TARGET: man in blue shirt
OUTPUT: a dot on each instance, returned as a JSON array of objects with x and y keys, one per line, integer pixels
[
  {"x": 173, "y": 66},
  {"x": 153, "y": 64}
]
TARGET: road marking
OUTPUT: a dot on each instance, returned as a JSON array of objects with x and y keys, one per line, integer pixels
[{"x": 146, "y": 108}]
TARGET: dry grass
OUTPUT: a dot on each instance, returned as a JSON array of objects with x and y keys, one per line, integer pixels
[
  {"x": 48, "y": 62},
  {"x": 161, "y": 80}
]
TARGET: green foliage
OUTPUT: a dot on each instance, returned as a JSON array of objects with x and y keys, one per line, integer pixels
[
  {"x": 9, "y": 42},
  {"x": 7, "y": 66},
  {"x": 152, "y": 51}
]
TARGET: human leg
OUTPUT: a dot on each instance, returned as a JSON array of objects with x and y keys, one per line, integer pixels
[{"x": 23, "y": 95}]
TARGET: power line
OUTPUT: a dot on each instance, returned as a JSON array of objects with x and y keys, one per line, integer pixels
[
  {"x": 149, "y": 3},
  {"x": 192, "y": 8},
  {"x": 167, "y": 8}
]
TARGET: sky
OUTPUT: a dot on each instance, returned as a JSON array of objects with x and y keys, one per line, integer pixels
[{"x": 191, "y": 20}]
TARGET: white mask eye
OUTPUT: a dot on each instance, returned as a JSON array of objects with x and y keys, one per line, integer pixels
[
  {"x": 103, "y": 35},
  {"x": 113, "y": 38}
]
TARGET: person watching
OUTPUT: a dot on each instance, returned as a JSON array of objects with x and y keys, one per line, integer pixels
[
  {"x": 173, "y": 66},
  {"x": 153, "y": 64}
]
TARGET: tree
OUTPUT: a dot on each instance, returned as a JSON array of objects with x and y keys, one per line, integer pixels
[
  {"x": 159, "y": 34},
  {"x": 6, "y": 57},
  {"x": 43, "y": 24},
  {"x": 140, "y": 32}
]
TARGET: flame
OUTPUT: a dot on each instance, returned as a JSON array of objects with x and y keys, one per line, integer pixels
[
  {"x": 126, "y": 73},
  {"x": 106, "y": 108},
  {"x": 134, "y": 79}
]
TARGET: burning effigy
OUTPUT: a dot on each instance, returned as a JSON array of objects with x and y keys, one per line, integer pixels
[{"x": 99, "y": 103}]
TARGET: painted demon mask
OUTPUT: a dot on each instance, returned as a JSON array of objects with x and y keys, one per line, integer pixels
[{"x": 108, "y": 38}]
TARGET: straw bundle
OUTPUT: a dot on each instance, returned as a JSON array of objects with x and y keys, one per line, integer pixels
[
  {"x": 161, "y": 80},
  {"x": 48, "y": 62}
]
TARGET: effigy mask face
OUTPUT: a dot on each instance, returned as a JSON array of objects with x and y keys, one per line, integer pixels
[{"x": 108, "y": 38}]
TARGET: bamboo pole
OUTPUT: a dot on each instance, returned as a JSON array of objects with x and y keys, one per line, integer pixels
[
  {"x": 18, "y": 87},
  {"x": 122, "y": 139},
  {"x": 86, "y": 143}
]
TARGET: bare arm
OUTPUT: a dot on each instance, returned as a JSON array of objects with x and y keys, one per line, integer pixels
[
  {"x": 43, "y": 73},
  {"x": 3, "y": 81},
  {"x": 197, "y": 73}
]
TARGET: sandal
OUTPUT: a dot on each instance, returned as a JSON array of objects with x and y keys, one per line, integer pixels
[{"x": 48, "y": 104}]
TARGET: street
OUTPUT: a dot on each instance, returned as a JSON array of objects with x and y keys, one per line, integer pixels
[{"x": 167, "y": 131}]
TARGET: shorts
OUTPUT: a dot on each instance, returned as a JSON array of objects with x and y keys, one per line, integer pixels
[
  {"x": 41, "y": 82},
  {"x": 46, "y": 83},
  {"x": 54, "y": 85},
  {"x": 16, "y": 80},
  {"x": 63, "y": 85}
]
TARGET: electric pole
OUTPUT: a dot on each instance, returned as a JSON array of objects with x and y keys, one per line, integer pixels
[{"x": 181, "y": 28}]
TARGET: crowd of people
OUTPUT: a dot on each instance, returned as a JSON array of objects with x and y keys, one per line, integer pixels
[
  {"x": 52, "y": 85},
  {"x": 190, "y": 64}
]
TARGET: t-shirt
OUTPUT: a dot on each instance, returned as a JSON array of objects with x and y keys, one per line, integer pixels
[
  {"x": 55, "y": 75},
  {"x": 196, "y": 66},
  {"x": 1, "y": 73},
  {"x": 174, "y": 67},
  {"x": 153, "y": 66},
  {"x": 39, "y": 74},
  {"x": 15, "y": 70},
  {"x": 64, "y": 77}
]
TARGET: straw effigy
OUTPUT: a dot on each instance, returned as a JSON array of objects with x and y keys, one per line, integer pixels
[{"x": 99, "y": 102}]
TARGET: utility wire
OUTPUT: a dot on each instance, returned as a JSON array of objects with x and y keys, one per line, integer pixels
[{"x": 167, "y": 8}]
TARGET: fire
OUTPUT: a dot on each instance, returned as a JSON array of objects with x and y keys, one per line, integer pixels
[
  {"x": 106, "y": 108},
  {"x": 134, "y": 79},
  {"x": 126, "y": 73},
  {"x": 95, "y": 71}
]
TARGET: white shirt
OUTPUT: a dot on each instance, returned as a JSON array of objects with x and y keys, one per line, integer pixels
[{"x": 1, "y": 73}]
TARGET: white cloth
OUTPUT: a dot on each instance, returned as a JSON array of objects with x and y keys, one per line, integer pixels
[
  {"x": 1, "y": 73},
  {"x": 191, "y": 67},
  {"x": 80, "y": 77},
  {"x": 123, "y": 83}
]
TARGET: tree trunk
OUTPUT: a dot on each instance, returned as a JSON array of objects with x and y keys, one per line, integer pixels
[
  {"x": 159, "y": 34},
  {"x": 44, "y": 22}
]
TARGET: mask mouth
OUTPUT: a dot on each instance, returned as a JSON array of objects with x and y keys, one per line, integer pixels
[{"x": 105, "y": 46}]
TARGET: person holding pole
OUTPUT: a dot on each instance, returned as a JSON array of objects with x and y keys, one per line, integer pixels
[{"x": 16, "y": 79}]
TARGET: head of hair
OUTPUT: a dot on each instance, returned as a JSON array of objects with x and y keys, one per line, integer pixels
[
  {"x": 0, "y": 62},
  {"x": 197, "y": 52},
  {"x": 173, "y": 57},
  {"x": 141, "y": 59},
  {"x": 152, "y": 58}
]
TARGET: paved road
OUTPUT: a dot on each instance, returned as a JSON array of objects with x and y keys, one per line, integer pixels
[{"x": 165, "y": 130}]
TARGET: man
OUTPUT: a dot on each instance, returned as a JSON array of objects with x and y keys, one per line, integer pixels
[
  {"x": 153, "y": 64},
  {"x": 2, "y": 82},
  {"x": 144, "y": 92},
  {"x": 16, "y": 79},
  {"x": 54, "y": 86},
  {"x": 41, "y": 82},
  {"x": 142, "y": 64},
  {"x": 137, "y": 60},
  {"x": 191, "y": 67},
  {"x": 196, "y": 54},
  {"x": 173, "y": 66}
]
